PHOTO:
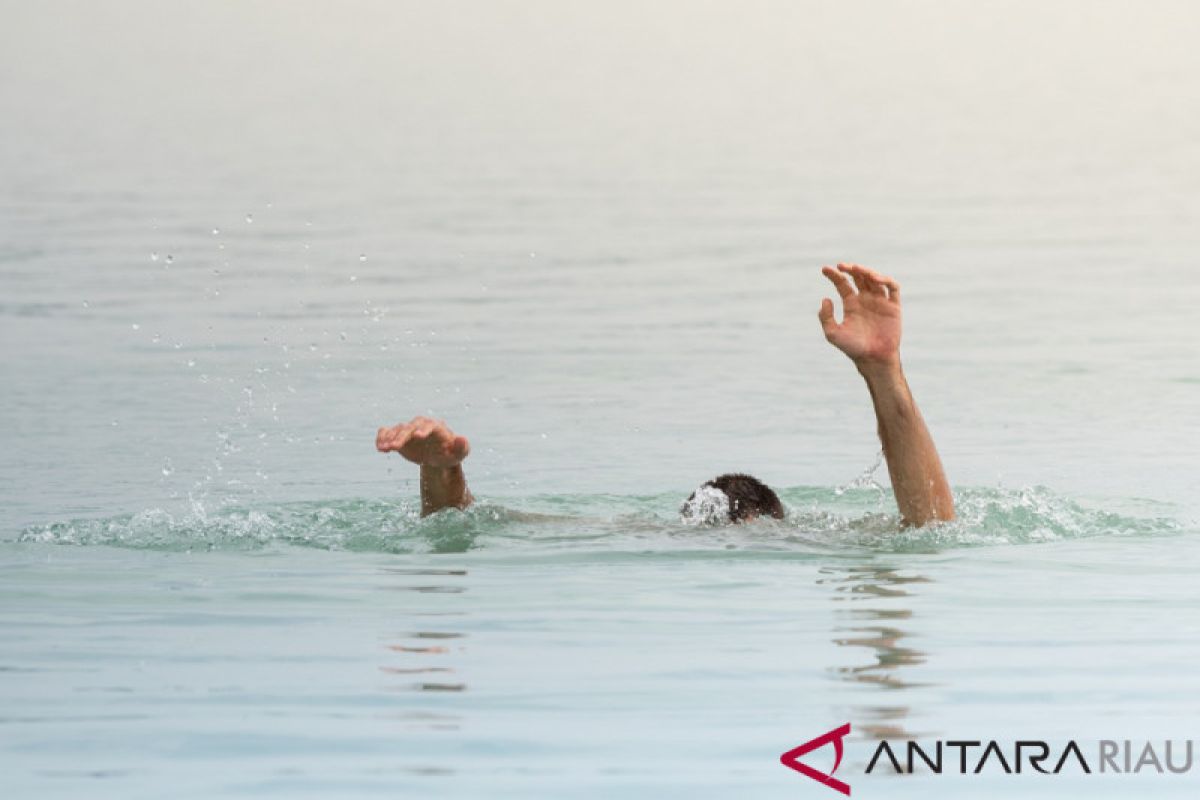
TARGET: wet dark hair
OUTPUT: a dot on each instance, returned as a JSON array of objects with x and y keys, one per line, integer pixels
[{"x": 748, "y": 497}]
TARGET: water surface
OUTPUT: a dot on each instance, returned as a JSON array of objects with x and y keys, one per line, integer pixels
[{"x": 235, "y": 239}]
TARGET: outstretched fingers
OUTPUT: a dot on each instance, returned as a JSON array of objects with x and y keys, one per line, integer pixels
[
  {"x": 389, "y": 439},
  {"x": 863, "y": 279},
  {"x": 868, "y": 280},
  {"x": 859, "y": 276},
  {"x": 893, "y": 288},
  {"x": 839, "y": 281}
]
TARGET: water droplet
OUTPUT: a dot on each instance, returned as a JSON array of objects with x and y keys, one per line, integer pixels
[
  {"x": 342, "y": 335},
  {"x": 170, "y": 258},
  {"x": 249, "y": 218},
  {"x": 114, "y": 423},
  {"x": 167, "y": 468},
  {"x": 191, "y": 362},
  {"x": 136, "y": 327},
  {"x": 312, "y": 347},
  {"x": 216, "y": 231},
  {"x": 362, "y": 256},
  {"x": 353, "y": 278},
  {"x": 85, "y": 304},
  {"x": 533, "y": 255},
  {"x": 154, "y": 256},
  {"x": 157, "y": 338}
]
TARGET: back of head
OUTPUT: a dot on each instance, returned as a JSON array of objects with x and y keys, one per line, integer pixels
[{"x": 731, "y": 498}]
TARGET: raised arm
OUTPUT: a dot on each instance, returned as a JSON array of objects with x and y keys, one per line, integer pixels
[
  {"x": 430, "y": 443},
  {"x": 869, "y": 334}
]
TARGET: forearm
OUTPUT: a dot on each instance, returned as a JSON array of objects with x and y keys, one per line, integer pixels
[
  {"x": 443, "y": 487},
  {"x": 918, "y": 480}
]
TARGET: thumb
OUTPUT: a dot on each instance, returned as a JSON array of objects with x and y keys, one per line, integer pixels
[
  {"x": 825, "y": 315},
  {"x": 460, "y": 447}
]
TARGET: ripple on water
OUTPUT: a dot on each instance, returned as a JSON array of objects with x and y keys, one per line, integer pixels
[{"x": 821, "y": 520}]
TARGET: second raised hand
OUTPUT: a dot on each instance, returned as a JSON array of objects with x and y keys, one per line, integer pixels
[{"x": 424, "y": 441}]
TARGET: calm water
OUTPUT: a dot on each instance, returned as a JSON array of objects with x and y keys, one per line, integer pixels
[{"x": 234, "y": 240}]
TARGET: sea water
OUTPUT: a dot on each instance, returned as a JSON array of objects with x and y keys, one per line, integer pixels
[{"x": 234, "y": 243}]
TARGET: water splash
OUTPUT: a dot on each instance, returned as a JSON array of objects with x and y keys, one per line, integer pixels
[{"x": 821, "y": 520}]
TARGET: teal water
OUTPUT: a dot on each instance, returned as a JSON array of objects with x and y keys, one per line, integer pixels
[{"x": 234, "y": 241}]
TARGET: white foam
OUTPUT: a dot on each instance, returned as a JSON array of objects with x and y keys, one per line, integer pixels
[{"x": 708, "y": 505}]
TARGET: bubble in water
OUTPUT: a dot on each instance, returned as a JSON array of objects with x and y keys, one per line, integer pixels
[
  {"x": 216, "y": 231},
  {"x": 170, "y": 258},
  {"x": 154, "y": 256},
  {"x": 85, "y": 303},
  {"x": 136, "y": 327},
  {"x": 191, "y": 362},
  {"x": 167, "y": 468},
  {"x": 342, "y": 336},
  {"x": 312, "y": 347},
  {"x": 353, "y": 278},
  {"x": 157, "y": 338},
  {"x": 362, "y": 256},
  {"x": 249, "y": 218}
]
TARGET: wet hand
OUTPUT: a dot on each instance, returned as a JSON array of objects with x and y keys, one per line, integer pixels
[
  {"x": 869, "y": 332},
  {"x": 424, "y": 441}
]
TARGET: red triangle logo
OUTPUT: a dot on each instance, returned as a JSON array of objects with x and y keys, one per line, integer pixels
[{"x": 791, "y": 758}]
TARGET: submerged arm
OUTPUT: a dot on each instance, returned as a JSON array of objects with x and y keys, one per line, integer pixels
[
  {"x": 870, "y": 335},
  {"x": 439, "y": 452}
]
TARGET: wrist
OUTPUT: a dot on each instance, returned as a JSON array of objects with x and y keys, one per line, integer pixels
[
  {"x": 880, "y": 369},
  {"x": 440, "y": 473}
]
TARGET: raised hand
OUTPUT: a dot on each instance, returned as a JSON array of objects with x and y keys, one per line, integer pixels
[
  {"x": 424, "y": 441},
  {"x": 869, "y": 332}
]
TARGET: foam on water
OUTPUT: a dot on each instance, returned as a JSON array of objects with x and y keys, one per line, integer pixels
[{"x": 820, "y": 520}]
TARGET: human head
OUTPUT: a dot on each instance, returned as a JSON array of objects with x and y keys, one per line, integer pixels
[{"x": 731, "y": 498}]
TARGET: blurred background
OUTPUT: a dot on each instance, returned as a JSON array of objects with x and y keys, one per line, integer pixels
[{"x": 235, "y": 238}]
